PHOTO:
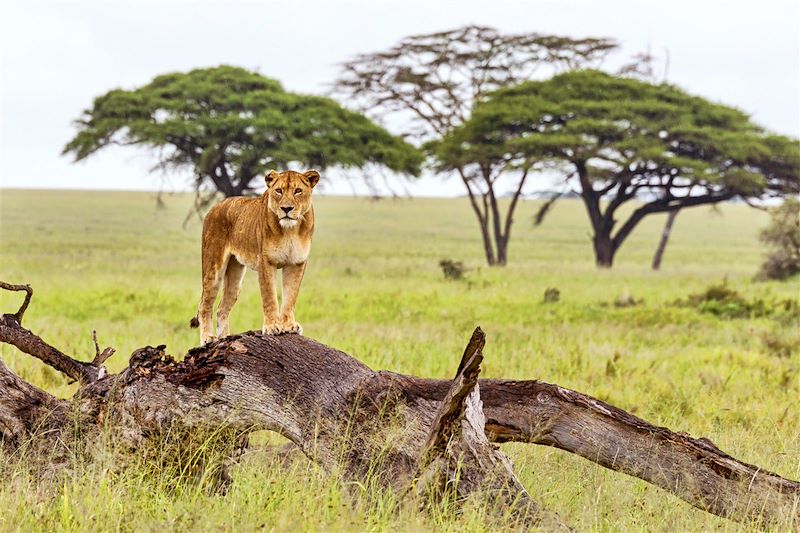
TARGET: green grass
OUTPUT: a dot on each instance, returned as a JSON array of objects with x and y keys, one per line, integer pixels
[{"x": 114, "y": 263}]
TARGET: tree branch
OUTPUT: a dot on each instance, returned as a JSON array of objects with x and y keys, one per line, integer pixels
[
  {"x": 28, "y": 295},
  {"x": 664, "y": 205},
  {"x": 12, "y": 332},
  {"x": 100, "y": 357},
  {"x": 695, "y": 470},
  {"x": 513, "y": 205}
]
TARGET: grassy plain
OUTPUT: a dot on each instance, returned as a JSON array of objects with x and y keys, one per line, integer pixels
[{"x": 114, "y": 263}]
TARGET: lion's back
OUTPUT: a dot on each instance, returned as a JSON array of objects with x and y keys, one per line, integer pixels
[{"x": 234, "y": 224}]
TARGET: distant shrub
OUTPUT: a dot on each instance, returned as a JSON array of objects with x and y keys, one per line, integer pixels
[
  {"x": 452, "y": 269},
  {"x": 551, "y": 295},
  {"x": 782, "y": 236},
  {"x": 723, "y": 301}
]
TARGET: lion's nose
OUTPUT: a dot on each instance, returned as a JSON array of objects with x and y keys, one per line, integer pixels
[{"x": 287, "y": 209}]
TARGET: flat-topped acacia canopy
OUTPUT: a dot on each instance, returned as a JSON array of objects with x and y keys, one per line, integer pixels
[{"x": 229, "y": 125}]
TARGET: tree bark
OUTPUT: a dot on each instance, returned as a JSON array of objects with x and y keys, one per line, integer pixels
[
  {"x": 604, "y": 249},
  {"x": 394, "y": 429},
  {"x": 662, "y": 243}
]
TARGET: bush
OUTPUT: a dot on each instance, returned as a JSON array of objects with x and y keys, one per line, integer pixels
[
  {"x": 552, "y": 295},
  {"x": 452, "y": 269},
  {"x": 782, "y": 236},
  {"x": 722, "y": 301}
]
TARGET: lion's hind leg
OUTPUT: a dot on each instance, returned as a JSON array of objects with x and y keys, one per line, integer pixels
[
  {"x": 234, "y": 274},
  {"x": 213, "y": 263}
]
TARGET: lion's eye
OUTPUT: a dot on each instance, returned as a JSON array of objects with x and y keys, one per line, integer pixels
[
  {"x": 279, "y": 191},
  {"x": 298, "y": 191}
]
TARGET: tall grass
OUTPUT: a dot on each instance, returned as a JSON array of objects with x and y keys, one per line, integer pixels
[{"x": 374, "y": 288}]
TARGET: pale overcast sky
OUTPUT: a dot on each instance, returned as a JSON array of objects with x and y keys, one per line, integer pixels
[{"x": 58, "y": 55}]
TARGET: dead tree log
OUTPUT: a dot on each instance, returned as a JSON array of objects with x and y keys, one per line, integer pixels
[{"x": 403, "y": 430}]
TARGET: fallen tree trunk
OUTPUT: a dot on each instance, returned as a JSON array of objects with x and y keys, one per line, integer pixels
[{"x": 405, "y": 431}]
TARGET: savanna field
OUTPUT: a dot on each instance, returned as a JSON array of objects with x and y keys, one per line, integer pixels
[{"x": 115, "y": 263}]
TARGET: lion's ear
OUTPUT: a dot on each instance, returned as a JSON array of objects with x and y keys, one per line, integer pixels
[
  {"x": 270, "y": 177},
  {"x": 312, "y": 176}
]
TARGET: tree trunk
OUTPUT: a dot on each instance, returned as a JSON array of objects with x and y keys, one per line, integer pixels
[
  {"x": 497, "y": 232},
  {"x": 502, "y": 245},
  {"x": 602, "y": 223},
  {"x": 483, "y": 218},
  {"x": 662, "y": 244},
  {"x": 336, "y": 409},
  {"x": 604, "y": 250},
  {"x": 502, "y": 257},
  {"x": 487, "y": 243}
]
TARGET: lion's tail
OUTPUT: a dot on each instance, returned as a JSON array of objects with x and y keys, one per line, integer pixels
[{"x": 194, "y": 322}]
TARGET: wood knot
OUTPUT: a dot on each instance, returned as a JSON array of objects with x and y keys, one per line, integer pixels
[
  {"x": 545, "y": 398},
  {"x": 148, "y": 357}
]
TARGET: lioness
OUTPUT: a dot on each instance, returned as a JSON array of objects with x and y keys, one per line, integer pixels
[{"x": 266, "y": 233}]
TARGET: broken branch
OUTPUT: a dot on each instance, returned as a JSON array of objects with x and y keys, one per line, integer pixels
[
  {"x": 29, "y": 293},
  {"x": 100, "y": 357},
  {"x": 12, "y": 332},
  {"x": 458, "y": 457}
]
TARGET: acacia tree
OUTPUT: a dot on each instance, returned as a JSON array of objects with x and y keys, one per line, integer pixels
[
  {"x": 229, "y": 125},
  {"x": 431, "y": 81},
  {"x": 622, "y": 140}
]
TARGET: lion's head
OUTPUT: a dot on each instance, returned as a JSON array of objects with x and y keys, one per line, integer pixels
[{"x": 289, "y": 195}]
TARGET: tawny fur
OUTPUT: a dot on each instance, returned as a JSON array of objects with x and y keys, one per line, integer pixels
[{"x": 264, "y": 234}]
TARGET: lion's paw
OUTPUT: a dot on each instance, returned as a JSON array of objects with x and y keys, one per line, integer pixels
[
  {"x": 273, "y": 328},
  {"x": 293, "y": 327},
  {"x": 208, "y": 340}
]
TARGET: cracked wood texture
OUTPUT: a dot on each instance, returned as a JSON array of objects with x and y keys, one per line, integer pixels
[{"x": 332, "y": 407}]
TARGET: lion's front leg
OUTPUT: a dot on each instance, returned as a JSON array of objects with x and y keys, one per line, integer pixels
[
  {"x": 269, "y": 298},
  {"x": 292, "y": 277}
]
